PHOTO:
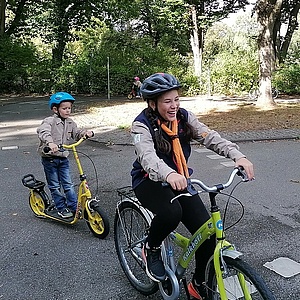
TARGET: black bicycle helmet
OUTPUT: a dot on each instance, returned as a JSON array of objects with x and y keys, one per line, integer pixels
[{"x": 158, "y": 83}]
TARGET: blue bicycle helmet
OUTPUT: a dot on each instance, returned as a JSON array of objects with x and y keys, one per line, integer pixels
[
  {"x": 60, "y": 97},
  {"x": 158, "y": 83}
]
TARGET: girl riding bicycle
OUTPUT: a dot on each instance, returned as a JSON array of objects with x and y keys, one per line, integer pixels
[{"x": 162, "y": 133}]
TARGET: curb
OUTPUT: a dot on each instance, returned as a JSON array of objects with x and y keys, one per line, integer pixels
[{"x": 123, "y": 138}]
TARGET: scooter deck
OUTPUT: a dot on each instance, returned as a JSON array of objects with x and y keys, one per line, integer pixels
[{"x": 54, "y": 215}]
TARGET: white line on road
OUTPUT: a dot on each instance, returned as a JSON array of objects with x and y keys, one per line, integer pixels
[{"x": 9, "y": 148}]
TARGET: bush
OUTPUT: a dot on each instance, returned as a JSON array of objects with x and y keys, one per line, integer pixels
[
  {"x": 286, "y": 79},
  {"x": 16, "y": 61}
]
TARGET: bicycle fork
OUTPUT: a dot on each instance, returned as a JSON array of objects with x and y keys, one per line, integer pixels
[{"x": 224, "y": 248}]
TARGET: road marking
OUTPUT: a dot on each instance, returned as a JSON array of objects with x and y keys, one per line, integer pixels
[
  {"x": 9, "y": 148},
  {"x": 284, "y": 266},
  {"x": 228, "y": 164},
  {"x": 215, "y": 156},
  {"x": 202, "y": 150}
]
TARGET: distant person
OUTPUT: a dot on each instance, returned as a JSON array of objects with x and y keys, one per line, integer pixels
[
  {"x": 162, "y": 133},
  {"x": 137, "y": 86},
  {"x": 55, "y": 130}
]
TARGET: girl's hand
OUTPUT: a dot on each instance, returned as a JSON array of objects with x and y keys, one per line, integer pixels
[
  {"x": 177, "y": 181},
  {"x": 247, "y": 165}
]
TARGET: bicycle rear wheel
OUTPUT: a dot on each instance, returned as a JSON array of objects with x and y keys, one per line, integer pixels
[
  {"x": 130, "y": 230},
  {"x": 274, "y": 93},
  {"x": 255, "y": 285},
  {"x": 253, "y": 93}
]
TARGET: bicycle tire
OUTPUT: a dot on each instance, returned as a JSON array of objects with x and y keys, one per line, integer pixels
[
  {"x": 130, "y": 229},
  {"x": 130, "y": 96},
  {"x": 99, "y": 222},
  {"x": 256, "y": 285},
  {"x": 253, "y": 93},
  {"x": 274, "y": 93},
  {"x": 38, "y": 202}
]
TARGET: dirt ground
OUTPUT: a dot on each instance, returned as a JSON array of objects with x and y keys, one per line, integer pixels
[{"x": 219, "y": 114}]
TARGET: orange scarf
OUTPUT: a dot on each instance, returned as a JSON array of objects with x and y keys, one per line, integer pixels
[{"x": 177, "y": 150}]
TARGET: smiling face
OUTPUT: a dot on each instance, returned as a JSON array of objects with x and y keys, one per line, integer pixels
[
  {"x": 64, "y": 109},
  {"x": 167, "y": 105}
]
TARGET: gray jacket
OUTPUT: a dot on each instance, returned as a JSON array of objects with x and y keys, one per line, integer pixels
[
  {"x": 54, "y": 130},
  {"x": 156, "y": 168}
]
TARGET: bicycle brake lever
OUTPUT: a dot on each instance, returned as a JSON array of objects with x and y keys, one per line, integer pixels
[
  {"x": 190, "y": 188},
  {"x": 242, "y": 174}
]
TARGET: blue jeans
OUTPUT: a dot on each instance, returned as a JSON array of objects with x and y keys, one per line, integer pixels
[{"x": 58, "y": 177}]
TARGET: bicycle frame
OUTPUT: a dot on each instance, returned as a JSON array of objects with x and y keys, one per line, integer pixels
[
  {"x": 227, "y": 276},
  {"x": 214, "y": 226}
]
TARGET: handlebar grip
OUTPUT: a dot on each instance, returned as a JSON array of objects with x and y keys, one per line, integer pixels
[
  {"x": 47, "y": 149},
  {"x": 241, "y": 173}
]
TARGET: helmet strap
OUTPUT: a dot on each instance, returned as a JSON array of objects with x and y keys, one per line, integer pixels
[{"x": 56, "y": 111}]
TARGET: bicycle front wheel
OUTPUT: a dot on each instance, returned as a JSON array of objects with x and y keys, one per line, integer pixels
[
  {"x": 235, "y": 288},
  {"x": 130, "y": 230}
]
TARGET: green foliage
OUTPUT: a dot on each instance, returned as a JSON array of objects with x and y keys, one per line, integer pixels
[
  {"x": 80, "y": 40},
  {"x": 16, "y": 61},
  {"x": 286, "y": 79},
  {"x": 231, "y": 61}
]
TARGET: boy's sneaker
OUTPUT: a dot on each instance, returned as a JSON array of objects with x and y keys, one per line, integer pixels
[
  {"x": 197, "y": 291},
  {"x": 155, "y": 268},
  {"x": 66, "y": 213}
]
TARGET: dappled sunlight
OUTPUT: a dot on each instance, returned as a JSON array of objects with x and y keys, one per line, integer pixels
[
  {"x": 123, "y": 113},
  {"x": 12, "y": 128}
]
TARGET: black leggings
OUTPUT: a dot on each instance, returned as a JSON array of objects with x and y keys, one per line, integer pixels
[{"x": 188, "y": 210}]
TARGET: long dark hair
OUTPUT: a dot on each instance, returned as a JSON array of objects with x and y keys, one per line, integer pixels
[{"x": 163, "y": 144}]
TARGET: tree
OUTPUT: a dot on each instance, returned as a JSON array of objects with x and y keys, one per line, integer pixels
[
  {"x": 202, "y": 15},
  {"x": 2, "y": 17},
  {"x": 282, "y": 38},
  {"x": 267, "y": 12}
]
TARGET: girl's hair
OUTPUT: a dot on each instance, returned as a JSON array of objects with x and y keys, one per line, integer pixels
[{"x": 163, "y": 145}]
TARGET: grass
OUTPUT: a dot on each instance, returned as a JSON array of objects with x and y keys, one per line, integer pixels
[{"x": 250, "y": 118}]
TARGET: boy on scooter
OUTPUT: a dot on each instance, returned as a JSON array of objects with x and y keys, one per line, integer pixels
[{"x": 55, "y": 130}]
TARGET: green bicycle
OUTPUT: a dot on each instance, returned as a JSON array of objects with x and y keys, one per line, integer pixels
[{"x": 227, "y": 275}]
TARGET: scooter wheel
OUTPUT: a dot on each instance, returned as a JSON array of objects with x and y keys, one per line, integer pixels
[
  {"x": 36, "y": 203},
  {"x": 98, "y": 223}
]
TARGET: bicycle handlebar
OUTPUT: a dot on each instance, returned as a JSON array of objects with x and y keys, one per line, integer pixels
[
  {"x": 63, "y": 147},
  {"x": 215, "y": 188},
  {"x": 221, "y": 186}
]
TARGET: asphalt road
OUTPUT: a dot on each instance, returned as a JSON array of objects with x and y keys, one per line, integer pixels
[{"x": 41, "y": 259}]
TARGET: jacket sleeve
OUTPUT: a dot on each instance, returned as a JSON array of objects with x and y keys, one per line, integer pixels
[
  {"x": 213, "y": 141},
  {"x": 44, "y": 131},
  {"x": 77, "y": 133},
  {"x": 156, "y": 168}
]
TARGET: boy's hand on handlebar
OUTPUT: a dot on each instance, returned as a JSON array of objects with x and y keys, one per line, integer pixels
[
  {"x": 177, "y": 181},
  {"x": 247, "y": 165},
  {"x": 53, "y": 147},
  {"x": 89, "y": 134}
]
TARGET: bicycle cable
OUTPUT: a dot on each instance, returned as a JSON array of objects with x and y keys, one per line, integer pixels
[
  {"x": 95, "y": 170},
  {"x": 230, "y": 196}
]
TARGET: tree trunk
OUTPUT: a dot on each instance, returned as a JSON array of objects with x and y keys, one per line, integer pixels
[
  {"x": 267, "y": 11},
  {"x": 292, "y": 26},
  {"x": 2, "y": 17},
  {"x": 194, "y": 38}
]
